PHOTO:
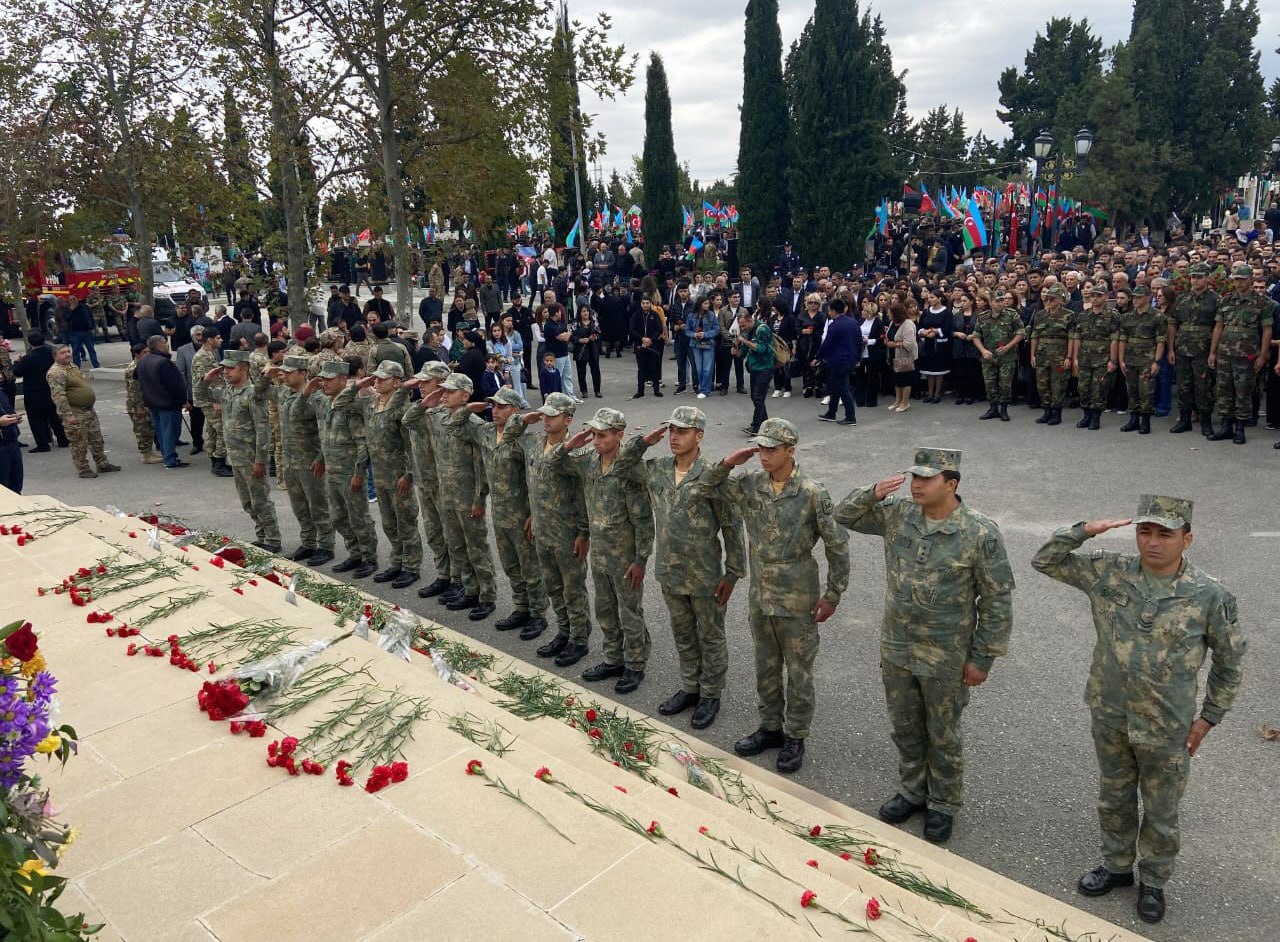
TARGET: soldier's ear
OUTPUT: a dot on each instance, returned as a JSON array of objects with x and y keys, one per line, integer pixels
[{"x": 1187, "y": 538}]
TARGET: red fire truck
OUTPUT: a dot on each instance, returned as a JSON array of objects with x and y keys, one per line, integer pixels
[{"x": 72, "y": 274}]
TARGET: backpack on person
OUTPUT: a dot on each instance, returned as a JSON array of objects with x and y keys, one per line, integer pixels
[{"x": 781, "y": 351}]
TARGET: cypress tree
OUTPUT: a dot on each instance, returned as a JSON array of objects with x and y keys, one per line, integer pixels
[
  {"x": 659, "y": 171},
  {"x": 764, "y": 139},
  {"x": 564, "y": 106},
  {"x": 844, "y": 96}
]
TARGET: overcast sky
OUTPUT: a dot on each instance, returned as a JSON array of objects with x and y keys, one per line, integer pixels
[{"x": 953, "y": 51}]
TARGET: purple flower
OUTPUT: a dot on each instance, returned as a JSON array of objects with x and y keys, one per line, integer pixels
[{"x": 43, "y": 687}]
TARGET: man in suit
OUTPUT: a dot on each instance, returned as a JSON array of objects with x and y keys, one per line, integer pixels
[
  {"x": 748, "y": 288},
  {"x": 33, "y": 367}
]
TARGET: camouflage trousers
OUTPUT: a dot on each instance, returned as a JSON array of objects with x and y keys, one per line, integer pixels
[
  {"x": 277, "y": 451},
  {"x": 924, "y": 722},
  {"x": 144, "y": 433},
  {"x": 997, "y": 375},
  {"x": 620, "y": 614},
  {"x": 566, "y": 582},
  {"x": 697, "y": 623},
  {"x": 429, "y": 515},
  {"x": 1095, "y": 379},
  {"x": 1140, "y": 383},
  {"x": 520, "y": 563},
  {"x": 310, "y": 507},
  {"x": 255, "y": 498},
  {"x": 86, "y": 438},
  {"x": 1233, "y": 391},
  {"x": 214, "y": 442},
  {"x": 783, "y": 641},
  {"x": 399, "y": 525},
  {"x": 469, "y": 551},
  {"x": 1051, "y": 378},
  {"x": 1192, "y": 375},
  {"x": 1159, "y": 774},
  {"x": 349, "y": 515}
]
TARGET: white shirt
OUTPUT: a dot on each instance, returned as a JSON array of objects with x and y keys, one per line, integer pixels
[{"x": 866, "y": 337}]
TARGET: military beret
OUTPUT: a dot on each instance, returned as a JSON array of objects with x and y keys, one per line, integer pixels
[
  {"x": 932, "y": 461},
  {"x": 1172, "y": 513},
  {"x": 774, "y": 433}
]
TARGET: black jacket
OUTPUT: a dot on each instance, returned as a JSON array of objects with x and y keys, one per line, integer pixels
[
  {"x": 160, "y": 382},
  {"x": 33, "y": 367},
  {"x": 877, "y": 353}
]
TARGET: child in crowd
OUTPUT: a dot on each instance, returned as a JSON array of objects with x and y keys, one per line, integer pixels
[
  {"x": 549, "y": 380},
  {"x": 490, "y": 381}
]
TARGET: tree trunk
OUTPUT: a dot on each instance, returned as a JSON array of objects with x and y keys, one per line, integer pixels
[
  {"x": 133, "y": 185},
  {"x": 19, "y": 302},
  {"x": 398, "y": 229}
]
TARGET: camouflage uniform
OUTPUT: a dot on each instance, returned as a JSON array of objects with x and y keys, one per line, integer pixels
[
  {"x": 783, "y": 528},
  {"x": 81, "y": 422},
  {"x": 1193, "y": 319},
  {"x": 388, "y": 446},
  {"x": 995, "y": 330},
  {"x": 342, "y": 443},
  {"x": 1052, "y": 336},
  {"x": 426, "y": 480},
  {"x": 948, "y": 601},
  {"x": 621, "y": 524},
  {"x": 461, "y": 464},
  {"x": 98, "y": 308},
  {"x": 144, "y": 432},
  {"x": 688, "y": 524},
  {"x": 1245, "y": 316},
  {"x": 301, "y": 438},
  {"x": 389, "y": 350},
  {"x": 559, "y": 516},
  {"x": 1095, "y": 332},
  {"x": 244, "y": 422},
  {"x": 1152, "y": 636},
  {"x": 207, "y": 397},
  {"x": 1141, "y": 333},
  {"x": 259, "y": 362},
  {"x": 509, "y": 509}
]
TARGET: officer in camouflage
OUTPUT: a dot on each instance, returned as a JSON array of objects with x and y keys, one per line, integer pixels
[
  {"x": 248, "y": 434},
  {"x": 1238, "y": 350},
  {"x": 558, "y": 527},
  {"x": 303, "y": 461},
  {"x": 74, "y": 399},
  {"x": 1187, "y": 343},
  {"x": 1095, "y": 341},
  {"x": 948, "y": 613},
  {"x": 996, "y": 335},
  {"x": 509, "y": 510},
  {"x": 785, "y": 513},
  {"x": 342, "y": 444},
  {"x": 621, "y": 521},
  {"x": 1156, "y": 616},
  {"x": 1142, "y": 334},
  {"x": 1051, "y": 353},
  {"x": 144, "y": 433},
  {"x": 426, "y": 478},
  {"x": 207, "y": 398},
  {"x": 383, "y": 399},
  {"x": 689, "y": 527}
]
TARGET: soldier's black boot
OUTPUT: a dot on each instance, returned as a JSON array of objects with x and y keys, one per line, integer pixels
[
  {"x": 1206, "y": 426},
  {"x": 1085, "y": 420},
  {"x": 1004, "y": 412},
  {"x": 791, "y": 757},
  {"x": 1044, "y": 416},
  {"x": 1145, "y": 427},
  {"x": 1239, "y": 437},
  {"x": 1183, "y": 424},
  {"x": 1095, "y": 420},
  {"x": 993, "y": 412},
  {"x": 1055, "y": 416},
  {"x": 1100, "y": 881},
  {"x": 898, "y": 809},
  {"x": 1150, "y": 903},
  {"x": 759, "y": 741},
  {"x": 432, "y": 589},
  {"x": 937, "y": 826},
  {"x": 1225, "y": 433},
  {"x": 1133, "y": 424}
]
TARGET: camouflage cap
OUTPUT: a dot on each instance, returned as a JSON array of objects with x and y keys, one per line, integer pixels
[
  {"x": 329, "y": 337},
  {"x": 293, "y": 364},
  {"x": 456, "y": 381},
  {"x": 232, "y": 357},
  {"x": 931, "y": 461},
  {"x": 559, "y": 404},
  {"x": 410, "y": 335},
  {"x": 433, "y": 369},
  {"x": 1172, "y": 513},
  {"x": 332, "y": 368},
  {"x": 775, "y": 433},
  {"x": 688, "y": 417},
  {"x": 506, "y": 396},
  {"x": 1055, "y": 291},
  {"x": 1199, "y": 269},
  {"x": 1098, "y": 288},
  {"x": 1242, "y": 270},
  {"x": 389, "y": 369},
  {"x": 607, "y": 418},
  {"x": 1141, "y": 291}
]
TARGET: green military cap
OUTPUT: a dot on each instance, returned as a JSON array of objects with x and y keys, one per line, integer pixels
[
  {"x": 433, "y": 369},
  {"x": 327, "y": 337},
  {"x": 389, "y": 369},
  {"x": 1172, "y": 513},
  {"x": 688, "y": 417},
  {"x": 331, "y": 368},
  {"x": 232, "y": 357},
  {"x": 1055, "y": 291},
  {"x": 1242, "y": 270},
  {"x": 931, "y": 461},
  {"x": 457, "y": 381},
  {"x": 559, "y": 404},
  {"x": 776, "y": 432},
  {"x": 1097, "y": 288},
  {"x": 1140, "y": 290},
  {"x": 292, "y": 364},
  {"x": 506, "y": 396},
  {"x": 1199, "y": 269},
  {"x": 410, "y": 335},
  {"x": 607, "y": 418}
]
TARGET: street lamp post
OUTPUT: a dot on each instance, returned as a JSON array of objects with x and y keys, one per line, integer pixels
[
  {"x": 1083, "y": 144},
  {"x": 1040, "y": 147}
]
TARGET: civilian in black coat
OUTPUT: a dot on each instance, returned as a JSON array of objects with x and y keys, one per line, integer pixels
[
  {"x": 869, "y": 374},
  {"x": 165, "y": 393},
  {"x": 42, "y": 416},
  {"x": 472, "y": 363}
]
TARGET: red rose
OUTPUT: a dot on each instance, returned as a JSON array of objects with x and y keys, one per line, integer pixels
[
  {"x": 873, "y": 908},
  {"x": 22, "y": 643},
  {"x": 807, "y": 897}
]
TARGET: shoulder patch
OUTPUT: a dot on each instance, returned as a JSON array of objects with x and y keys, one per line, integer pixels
[
  {"x": 1229, "y": 607},
  {"x": 991, "y": 547}
]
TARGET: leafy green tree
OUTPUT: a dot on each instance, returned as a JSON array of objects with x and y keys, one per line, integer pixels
[
  {"x": 660, "y": 172},
  {"x": 566, "y": 119},
  {"x": 764, "y": 138}
]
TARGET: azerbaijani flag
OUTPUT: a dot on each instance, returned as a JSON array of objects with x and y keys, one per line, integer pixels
[
  {"x": 927, "y": 204},
  {"x": 573, "y": 233},
  {"x": 975, "y": 232},
  {"x": 882, "y": 217}
]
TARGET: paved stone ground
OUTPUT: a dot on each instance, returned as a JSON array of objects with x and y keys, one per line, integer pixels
[{"x": 1031, "y": 768}]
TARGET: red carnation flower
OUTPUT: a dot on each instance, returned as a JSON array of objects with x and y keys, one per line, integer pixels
[
  {"x": 811, "y": 863},
  {"x": 655, "y": 829},
  {"x": 543, "y": 774},
  {"x": 704, "y": 830},
  {"x": 475, "y": 767},
  {"x": 815, "y": 830},
  {"x": 672, "y": 791},
  {"x": 846, "y": 856},
  {"x": 594, "y": 733},
  {"x": 399, "y": 771},
  {"x": 807, "y": 897},
  {"x": 873, "y": 908},
  {"x": 591, "y": 716},
  {"x": 871, "y": 856}
]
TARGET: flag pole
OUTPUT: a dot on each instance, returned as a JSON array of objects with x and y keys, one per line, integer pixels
[{"x": 573, "y": 121}]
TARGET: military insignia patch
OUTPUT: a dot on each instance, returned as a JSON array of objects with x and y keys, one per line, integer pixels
[{"x": 991, "y": 547}]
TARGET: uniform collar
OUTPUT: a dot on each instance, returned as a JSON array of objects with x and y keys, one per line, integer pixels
[{"x": 950, "y": 524}]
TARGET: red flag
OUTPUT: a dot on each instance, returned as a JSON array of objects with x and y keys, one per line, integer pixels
[
  {"x": 907, "y": 191},
  {"x": 1013, "y": 230},
  {"x": 926, "y": 201},
  {"x": 365, "y": 236}
]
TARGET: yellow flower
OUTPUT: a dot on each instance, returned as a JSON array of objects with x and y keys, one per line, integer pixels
[
  {"x": 35, "y": 665},
  {"x": 49, "y": 745},
  {"x": 33, "y": 866}
]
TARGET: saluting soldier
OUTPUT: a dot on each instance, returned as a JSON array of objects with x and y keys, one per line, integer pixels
[
  {"x": 1156, "y": 617},
  {"x": 690, "y": 526},
  {"x": 426, "y": 478},
  {"x": 1142, "y": 336},
  {"x": 245, "y": 425},
  {"x": 948, "y": 613},
  {"x": 1238, "y": 351},
  {"x": 621, "y": 522},
  {"x": 1187, "y": 343},
  {"x": 786, "y": 513},
  {"x": 303, "y": 461},
  {"x": 1095, "y": 340},
  {"x": 997, "y": 332},
  {"x": 1051, "y": 353}
]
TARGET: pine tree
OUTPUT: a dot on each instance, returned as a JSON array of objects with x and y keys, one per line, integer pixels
[
  {"x": 238, "y": 168},
  {"x": 764, "y": 139},
  {"x": 843, "y": 99},
  {"x": 564, "y": 106},
  {"x": 659, "y": 170}
]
